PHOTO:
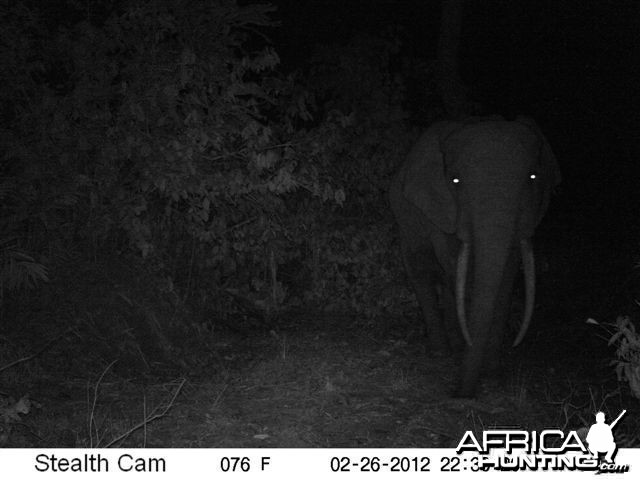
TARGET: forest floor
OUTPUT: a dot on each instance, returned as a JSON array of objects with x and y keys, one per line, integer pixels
[
  {"x": 318, "y": 382},
  {"x": 315, "y": 379}
]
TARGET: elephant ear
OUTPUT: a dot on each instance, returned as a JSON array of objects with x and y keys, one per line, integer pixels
[
  {"x": 547, "y": 164},
  {"x": 425, "y": 184}
]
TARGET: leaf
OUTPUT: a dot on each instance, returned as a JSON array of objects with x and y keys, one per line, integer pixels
[
  {"x": 614, "y": 338},
  {"x": 19, "y": 270},
  {"x": 13, "y": 412},
  {"x": 137, "y": 112},
  {"x": 23, "y": 405}
]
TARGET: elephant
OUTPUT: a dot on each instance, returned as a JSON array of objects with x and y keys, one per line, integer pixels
[{"x": 467, "y": 200}]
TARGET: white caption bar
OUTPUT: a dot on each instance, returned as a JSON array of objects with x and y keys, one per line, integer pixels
[{"x": 201, "y": 464}]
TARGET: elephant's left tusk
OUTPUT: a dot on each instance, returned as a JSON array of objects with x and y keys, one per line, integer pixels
[
  {"x": 529, "y": 269},
  {"x": 461, "y": 282}
]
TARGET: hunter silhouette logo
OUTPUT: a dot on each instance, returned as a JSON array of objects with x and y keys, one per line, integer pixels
[{"x": 600, "y": 438}]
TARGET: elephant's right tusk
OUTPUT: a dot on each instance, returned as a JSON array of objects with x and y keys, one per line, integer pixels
[
  {"x": 528, "y": 266},
  {"x": 461, "y": 282}
]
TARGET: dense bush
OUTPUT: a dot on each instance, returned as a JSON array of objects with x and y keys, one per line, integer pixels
[{"x": 154, "y": 129}]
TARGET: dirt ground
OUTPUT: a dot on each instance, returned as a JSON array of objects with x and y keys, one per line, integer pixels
[
  {"x": 334, "y": 386},
  {"x": 319, "y": 382},
  {"x": 313, "y": 379}
]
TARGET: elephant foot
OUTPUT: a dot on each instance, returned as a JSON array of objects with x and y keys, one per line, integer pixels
[
  {"x": 489, "y": 383},
  {"x": 438, "y": 352},
  {"x": 464, "y": 391},
  {"x": 437, "y": 348},
  {"x": 457, "y": 344}
]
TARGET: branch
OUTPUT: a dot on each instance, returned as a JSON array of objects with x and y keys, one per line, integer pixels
[
  {"x": 152, "y": 416},
  {"x": 33, "y": 355}
]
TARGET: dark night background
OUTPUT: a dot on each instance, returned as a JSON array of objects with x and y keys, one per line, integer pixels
[
  {"x": 573, "y": 65},
  {"x": 179, "y": 202}
]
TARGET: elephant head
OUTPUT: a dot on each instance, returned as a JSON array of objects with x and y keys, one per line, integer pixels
[{"x": 487, "y": 182}]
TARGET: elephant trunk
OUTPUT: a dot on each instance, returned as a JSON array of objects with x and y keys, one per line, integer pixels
[
  {"x": 490, "y": 256},
  {"x": 462, "y": 267}
]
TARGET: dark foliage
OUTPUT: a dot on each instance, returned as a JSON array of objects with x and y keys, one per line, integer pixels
[{"x": 151, "y": 131}]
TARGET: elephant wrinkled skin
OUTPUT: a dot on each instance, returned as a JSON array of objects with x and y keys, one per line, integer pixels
[{"x": 467, "y": 200}]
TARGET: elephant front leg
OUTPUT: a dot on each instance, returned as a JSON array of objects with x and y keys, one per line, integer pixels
[
  {"x": 427, "y": 295},
  {"x": 425, "y": 278}
]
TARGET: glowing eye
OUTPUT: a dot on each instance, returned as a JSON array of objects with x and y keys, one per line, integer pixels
[
  {"x": 455, "y": 180},
  {"x": 533, "y": 176}
]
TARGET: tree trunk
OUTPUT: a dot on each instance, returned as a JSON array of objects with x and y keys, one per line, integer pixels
[{"x": 452, "y": 90}]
